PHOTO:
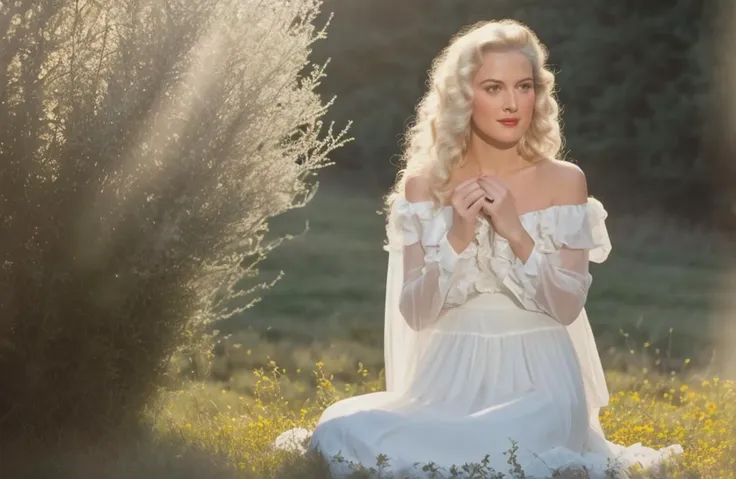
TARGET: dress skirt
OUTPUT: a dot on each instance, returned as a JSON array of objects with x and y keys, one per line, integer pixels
[{"x": 491, "y": 374}]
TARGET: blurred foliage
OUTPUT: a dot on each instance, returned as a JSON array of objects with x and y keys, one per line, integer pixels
[
  {"x": 636, "y": 81},
  {"x": 654, "y": 409},
  {"x": 143, "y": 146}
]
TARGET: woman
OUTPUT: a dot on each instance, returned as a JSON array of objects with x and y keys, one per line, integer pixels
[{"x": 489, "y": 239}]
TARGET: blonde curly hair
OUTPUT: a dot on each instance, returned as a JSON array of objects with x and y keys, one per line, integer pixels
[{"x": 436, "y": 143}]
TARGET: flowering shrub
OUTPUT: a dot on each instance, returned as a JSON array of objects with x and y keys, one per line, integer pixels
[{"x": 144, "y": 145}]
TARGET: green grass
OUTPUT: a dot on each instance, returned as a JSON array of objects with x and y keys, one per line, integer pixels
[
  {"x": 660, "y": 308},
  {"x": 649, "y": 408}
]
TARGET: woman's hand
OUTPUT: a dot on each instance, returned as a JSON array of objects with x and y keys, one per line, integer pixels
[
  {"x": 467, "y": 200},
  {"x": 500, "y": 207}
]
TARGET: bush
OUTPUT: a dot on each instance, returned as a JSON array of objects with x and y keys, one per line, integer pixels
[{"x": 144, "y": 144}]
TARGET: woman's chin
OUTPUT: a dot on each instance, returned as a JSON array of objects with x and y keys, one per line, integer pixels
[{"x": 505, "y": 139}]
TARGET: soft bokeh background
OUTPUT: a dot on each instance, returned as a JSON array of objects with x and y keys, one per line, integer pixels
[
  {"x": 150, "y": 150},
  {"x": 646, "y": 90}
]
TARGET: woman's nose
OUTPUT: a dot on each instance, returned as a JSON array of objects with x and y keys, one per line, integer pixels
[{"x": 510, "y": 104}]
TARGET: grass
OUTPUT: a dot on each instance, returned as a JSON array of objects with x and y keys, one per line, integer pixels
[
  {"x": 660, "y": 307},
  {"x": 655, "y": 410}
]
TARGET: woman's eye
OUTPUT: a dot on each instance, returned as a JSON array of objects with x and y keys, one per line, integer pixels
[
  {"x": 526, "y": 87},
  {"x": 493, "y": 89}
]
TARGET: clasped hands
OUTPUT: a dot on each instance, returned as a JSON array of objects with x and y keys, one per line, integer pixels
[{"x": 487, "y": 195}]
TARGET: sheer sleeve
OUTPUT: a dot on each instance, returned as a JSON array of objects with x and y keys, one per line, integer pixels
[
  {"x": 431, "y": 266},
  {"x": 421, "y": 280},
  {"x": 555, "y": 279}
]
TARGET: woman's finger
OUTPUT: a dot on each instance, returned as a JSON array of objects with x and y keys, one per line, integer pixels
[
  {"x": 489, "y": 207},
  {"x": 477, "y": 205},
  {"x": 469, "y": 191},
  {"x": 465, "y": 184},
  {"x": 485, "y": 185},
  {"x": 494, "y": 189},
  {"x": 472, "y": 198},
  {"x": 492, "y": 193}
]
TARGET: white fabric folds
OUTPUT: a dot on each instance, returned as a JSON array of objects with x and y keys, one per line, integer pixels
[{"x": 482, "y": 349}]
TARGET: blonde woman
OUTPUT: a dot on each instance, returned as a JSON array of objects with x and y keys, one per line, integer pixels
[{"x": 489, "y": 240}]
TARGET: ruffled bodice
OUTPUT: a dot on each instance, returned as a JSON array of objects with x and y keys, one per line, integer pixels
[{"x": 490, "y": 265}]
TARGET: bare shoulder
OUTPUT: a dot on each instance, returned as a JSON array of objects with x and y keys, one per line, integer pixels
[
  {"x": 567, "y": 181},
  {"x": 417, "y": 188}
]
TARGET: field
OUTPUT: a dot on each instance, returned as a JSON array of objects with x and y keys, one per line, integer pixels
[{"x": 660, "y": 308}]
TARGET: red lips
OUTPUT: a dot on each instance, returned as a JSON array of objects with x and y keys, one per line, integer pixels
[{"x": 509, "y": 121}]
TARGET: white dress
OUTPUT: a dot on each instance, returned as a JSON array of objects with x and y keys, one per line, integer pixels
[{"x": 478, "y": 352}]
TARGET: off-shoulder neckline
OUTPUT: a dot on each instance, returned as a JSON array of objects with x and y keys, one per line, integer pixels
[{"x": 522, "y": 215}]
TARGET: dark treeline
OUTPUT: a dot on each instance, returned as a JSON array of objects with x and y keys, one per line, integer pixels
[{"x": 641, "y": 85}]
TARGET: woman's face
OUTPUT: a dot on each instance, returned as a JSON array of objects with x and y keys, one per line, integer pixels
[{"x": 503, "y": 97}]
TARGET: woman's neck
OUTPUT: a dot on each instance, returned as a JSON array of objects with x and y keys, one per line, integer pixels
[{"x": 490, "y": 158}]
